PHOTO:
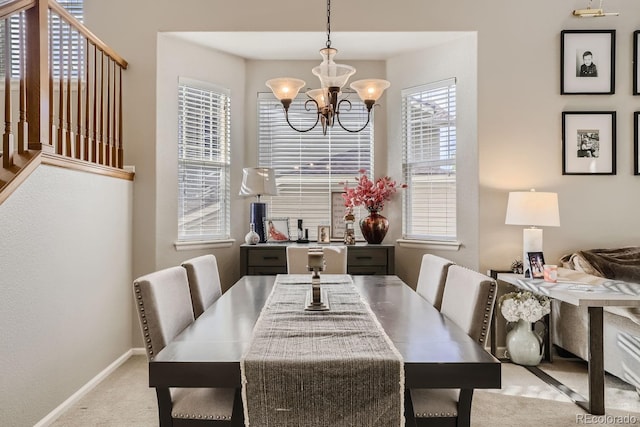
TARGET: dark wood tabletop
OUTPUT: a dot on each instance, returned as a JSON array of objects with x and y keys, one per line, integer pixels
[{"x": 436, "y": 353}]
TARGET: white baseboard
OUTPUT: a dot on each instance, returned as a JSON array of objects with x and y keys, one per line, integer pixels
[
  {"x": 53, "y": 415},
  {"x": 138, "y": 351}
]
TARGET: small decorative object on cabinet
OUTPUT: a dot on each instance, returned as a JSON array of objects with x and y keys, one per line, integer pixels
[
  {"x": 374, "y": 227},
  {"x": 349, "y": 231},
  {"x": 524, "y": 346},
  {"x": 252, "y": 238}
]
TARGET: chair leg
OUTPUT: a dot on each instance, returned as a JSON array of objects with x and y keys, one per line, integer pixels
[
  {"x": 164, "y": 407},
  {"x": 237, "y": 416},
  {"x": 409, "y": 414},
  {"x": 464, "y": 407}
]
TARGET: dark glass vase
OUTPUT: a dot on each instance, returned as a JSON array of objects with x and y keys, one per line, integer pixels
[{"x": 374, "y": 227}]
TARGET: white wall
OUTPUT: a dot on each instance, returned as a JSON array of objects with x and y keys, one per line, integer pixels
[
  {"x": 65, "y": 287},
  {"x": 179, "y": 59},
  {"x": 519, "y": 105},
  {"x": 456, "y": 59}
]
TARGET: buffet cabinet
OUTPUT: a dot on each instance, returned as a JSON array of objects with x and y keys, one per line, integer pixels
[{"x": 271, "y": 258}]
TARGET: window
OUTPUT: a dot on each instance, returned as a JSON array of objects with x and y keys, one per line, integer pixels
[
  {"x": 63, "y": 41},
  {"x": 203, "y": 161},
  {"x": 429, "y": 161},
  {"x": 309, "y": 166}
]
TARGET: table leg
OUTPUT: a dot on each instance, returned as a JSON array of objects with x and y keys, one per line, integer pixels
[{"x": 596, "y": 361}]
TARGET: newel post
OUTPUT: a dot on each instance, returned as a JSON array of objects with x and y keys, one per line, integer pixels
[{"x": 37, "y": 56}]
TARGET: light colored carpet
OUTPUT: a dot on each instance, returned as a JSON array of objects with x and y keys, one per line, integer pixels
[{"x": 125, "y": 400}]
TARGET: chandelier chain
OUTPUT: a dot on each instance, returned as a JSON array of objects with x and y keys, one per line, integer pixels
[{"x": 328, "y": 23}]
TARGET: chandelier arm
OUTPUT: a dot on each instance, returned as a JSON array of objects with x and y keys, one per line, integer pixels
[
  {"x": 354, "y": 130},
  {"x": 286, "y": 115}
]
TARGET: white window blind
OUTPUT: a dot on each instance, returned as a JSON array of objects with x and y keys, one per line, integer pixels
[
  {"x": 309, "y": 166},
  {"x": 67, "y": 46},
  {"x": 203, "y": 161},
  {"x": 429, "y": 161}
]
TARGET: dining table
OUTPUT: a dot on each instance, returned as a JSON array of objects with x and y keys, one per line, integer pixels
[{"x": 435, "y": 352}]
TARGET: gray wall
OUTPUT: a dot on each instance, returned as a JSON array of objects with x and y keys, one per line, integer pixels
[{"x": 65, "y": 287}]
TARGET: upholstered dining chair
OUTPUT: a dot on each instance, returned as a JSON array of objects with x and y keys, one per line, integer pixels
[
  {"x": 204, "y": 282},
  {"x": 433, "y": 273},
  {"x": 164, "y": 310},
  {"x": 467, "y": 301},
  {"x": 335, "y": 259}
]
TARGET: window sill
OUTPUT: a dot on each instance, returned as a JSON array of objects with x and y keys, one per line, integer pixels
[
  {"x": 440, "y": 245},
  {"x": 203, "y": 244}
]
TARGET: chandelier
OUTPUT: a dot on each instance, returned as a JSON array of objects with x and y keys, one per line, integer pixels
[{"x": 325, "y": 100}]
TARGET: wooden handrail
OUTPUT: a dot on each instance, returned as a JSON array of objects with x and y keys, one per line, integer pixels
[
  {"x": 15, "y": 6},
  {"x": 87, "y": 134},
  {"x": 55, "y": 6}
]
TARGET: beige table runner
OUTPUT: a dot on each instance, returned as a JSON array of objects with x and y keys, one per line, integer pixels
[{"x": 316, "y": 369}]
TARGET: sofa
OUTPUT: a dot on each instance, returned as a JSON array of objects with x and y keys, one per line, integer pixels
[{"x": 618, "y": 269}]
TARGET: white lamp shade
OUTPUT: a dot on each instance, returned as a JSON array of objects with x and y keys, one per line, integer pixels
[
  {"x": 319, "y": 95},
  {"x": 533, "y": 208},
  {"x": 330, "y": 73},
  {"x": 370, "y": 89},
  {"x": 258, "y": 182},
  {"x": 285, "y": 87}
]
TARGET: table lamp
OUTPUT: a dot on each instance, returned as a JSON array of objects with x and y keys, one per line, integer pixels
[
  {"x": 258, "y": 182},
  {"x": 535, "y": 209}
]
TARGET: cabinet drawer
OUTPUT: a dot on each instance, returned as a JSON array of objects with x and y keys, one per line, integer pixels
[
  {"x": 267, "y": 257},
  {"x": 266, "y": 271},
  {"x": 368, "y": 257},
  {"x": 368, "y": 270}
]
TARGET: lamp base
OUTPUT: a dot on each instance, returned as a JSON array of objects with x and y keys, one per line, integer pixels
[{"x": 257, "y": 214}]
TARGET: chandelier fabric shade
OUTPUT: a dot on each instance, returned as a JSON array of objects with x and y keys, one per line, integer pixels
[{"x": 333, "y": 77}]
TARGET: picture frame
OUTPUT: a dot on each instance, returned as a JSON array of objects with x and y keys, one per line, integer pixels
[
  {"x": 636, "y": 66},
  {"x": 337, "y": 215},
  {"x": 587, "y": 62},
  {"x": 636, "y": 143},
  {"x": 324, "y": 234},
  {"x": 589, "y": 143},
  {"x": 536, "y": 261},
  {"x": 276, "y": 230}
]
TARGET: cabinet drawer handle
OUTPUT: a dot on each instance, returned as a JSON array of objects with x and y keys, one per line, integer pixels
[
  {"x": 364, "y": 257},
  {"x": 269, "y": 257}
]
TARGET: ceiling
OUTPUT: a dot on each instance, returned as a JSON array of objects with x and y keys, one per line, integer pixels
[{"x": 305, "y": 45}]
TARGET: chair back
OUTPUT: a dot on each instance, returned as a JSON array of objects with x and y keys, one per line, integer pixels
[
  {"x": 335, "y": 259},
  {"x": 204, "y": 282},
  {"x": 164, "y": 307},
  {"x": 468, "y": 300},
  {"x": 297, "y": 259},
  {"x": 432, "y": 277}
]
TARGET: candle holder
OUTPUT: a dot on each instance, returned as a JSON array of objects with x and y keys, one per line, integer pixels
[{"x": 316, "y": 299}]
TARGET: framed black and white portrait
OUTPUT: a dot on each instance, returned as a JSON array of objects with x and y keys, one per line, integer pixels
[
  {"x": 636, "y": 66},
  {"x": 589, "y": 143},
  {"x": 587, "y": 60},
  {"x": 636, "y": 143}
]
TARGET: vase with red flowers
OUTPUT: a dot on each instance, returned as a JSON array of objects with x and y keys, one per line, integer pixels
[{"x": 372, "y": 195}]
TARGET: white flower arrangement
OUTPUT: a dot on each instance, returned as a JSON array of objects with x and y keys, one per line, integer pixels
[{"x": 524, "y": 305}]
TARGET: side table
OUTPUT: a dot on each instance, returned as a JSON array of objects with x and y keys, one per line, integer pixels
[{"x": 595, "y": 298}]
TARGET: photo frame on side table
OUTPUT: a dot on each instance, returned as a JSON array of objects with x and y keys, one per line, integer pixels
[
  {"x": 636, "y": 143},
  {"x": 276, "y": 230},
  {"x": 589, "y": 143},
  {"x": 636, "y": 66},
  {"x": 536, "y": 261},
  {"x": 587, "y": 59}
]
